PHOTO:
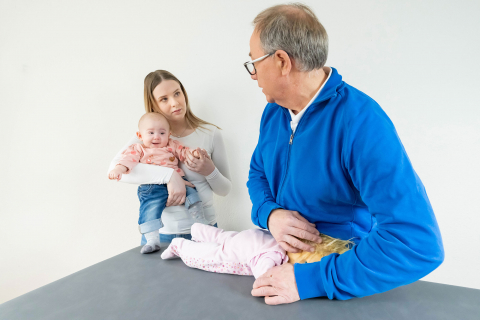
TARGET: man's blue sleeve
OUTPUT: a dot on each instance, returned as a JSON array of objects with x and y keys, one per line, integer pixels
[
  {"x": 405, "y": 245},
  {"x": 261, "y": 196}
]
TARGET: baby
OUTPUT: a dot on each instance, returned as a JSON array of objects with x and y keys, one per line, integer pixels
[
  {"x": 250, "y": 252},
  {"x": 157, "y": 149}
]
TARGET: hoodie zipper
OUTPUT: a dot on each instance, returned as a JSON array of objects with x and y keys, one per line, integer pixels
[{"x": 290, "y": 143}]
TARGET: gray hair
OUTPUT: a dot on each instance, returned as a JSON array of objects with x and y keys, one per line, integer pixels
[{"x": 295, "y": 29}]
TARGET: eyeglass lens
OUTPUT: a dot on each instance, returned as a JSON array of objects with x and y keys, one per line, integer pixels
[{"x": 251, "y": 68}]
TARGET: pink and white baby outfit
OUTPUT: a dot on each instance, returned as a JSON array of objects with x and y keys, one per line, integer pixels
[
  {"x": 249, "y": 252},
  {"x": 165, "y": 157}
]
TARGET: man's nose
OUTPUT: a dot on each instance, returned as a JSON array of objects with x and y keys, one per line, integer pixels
[{"x": 253, "y": 76}]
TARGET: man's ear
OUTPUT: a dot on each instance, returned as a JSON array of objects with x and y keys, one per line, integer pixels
[
  {"x": 139, "y": 135},
  {"x": 283, "y": 61}
]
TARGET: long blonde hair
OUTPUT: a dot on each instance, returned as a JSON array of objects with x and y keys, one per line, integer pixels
[{"x": 152, "y": 80}]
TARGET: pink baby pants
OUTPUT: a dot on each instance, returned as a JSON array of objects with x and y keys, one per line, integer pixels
[{"x": 250, "y": 252}]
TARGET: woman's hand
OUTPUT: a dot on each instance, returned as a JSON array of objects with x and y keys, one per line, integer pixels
[
  {"x": 204, "y": 165},
  {"x": 176, "y": 190}
]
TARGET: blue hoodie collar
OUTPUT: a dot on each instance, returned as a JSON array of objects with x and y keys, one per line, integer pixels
[{"x": 329, "y": 90}]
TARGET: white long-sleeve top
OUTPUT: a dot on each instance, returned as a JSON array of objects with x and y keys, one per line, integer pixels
[{"x": 176, "y": 219}]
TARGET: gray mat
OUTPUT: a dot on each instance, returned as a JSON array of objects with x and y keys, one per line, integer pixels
[{"x": 136, "y": 286}]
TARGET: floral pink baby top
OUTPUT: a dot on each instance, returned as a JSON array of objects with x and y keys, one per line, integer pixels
[{"x": 165, "y": 157}]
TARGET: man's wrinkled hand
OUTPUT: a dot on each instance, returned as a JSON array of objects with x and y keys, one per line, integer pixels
[
  {"x": 277, "y": 285},
  {"x": 286, "y": 226}
]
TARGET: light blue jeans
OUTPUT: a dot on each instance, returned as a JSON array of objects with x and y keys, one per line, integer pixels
[
  {"x": 153, "y": 198},
  {"x": 169, "y": 237}
]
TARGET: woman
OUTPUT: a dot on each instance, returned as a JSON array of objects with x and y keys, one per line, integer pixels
[{"x": 165, "y": 94}]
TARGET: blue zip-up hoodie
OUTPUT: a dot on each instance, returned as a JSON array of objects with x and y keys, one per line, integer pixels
[{"x": 346, "y": 170}]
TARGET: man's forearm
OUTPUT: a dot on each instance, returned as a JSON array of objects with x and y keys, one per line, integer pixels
[{"x": 263, "y": 202}]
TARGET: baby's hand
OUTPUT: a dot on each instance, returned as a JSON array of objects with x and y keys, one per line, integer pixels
[
  {"x": 113, "y": 175},
  {"x": 196, "y": 154},
  {"x": 116, "y": 174}
]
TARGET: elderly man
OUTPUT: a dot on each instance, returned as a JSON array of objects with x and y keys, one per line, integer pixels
[{"x": 329, "y": 159}]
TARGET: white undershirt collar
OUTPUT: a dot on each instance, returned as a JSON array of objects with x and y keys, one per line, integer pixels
[{"x": 296, "y": 117}]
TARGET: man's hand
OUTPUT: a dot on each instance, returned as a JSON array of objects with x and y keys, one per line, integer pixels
[
  {"x": 176, "y": 190},
  {"x": 284, "y": 224},
  {"x": 277, "y": 285}
]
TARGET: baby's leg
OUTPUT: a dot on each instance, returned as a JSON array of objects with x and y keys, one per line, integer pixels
[
  {"x": 192, "y": 196},
  {"x": 265, "y": 261},
  {"x": 194, "y": 204},
  {"x": 153, "y": 199},
  {"x": 204, "y": 255},
  {"x": 182, "y": 247},
  {"x": 206, "y": 233}
]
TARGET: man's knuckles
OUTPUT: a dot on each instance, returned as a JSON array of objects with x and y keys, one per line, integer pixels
[{"x": 291, "y": 219}]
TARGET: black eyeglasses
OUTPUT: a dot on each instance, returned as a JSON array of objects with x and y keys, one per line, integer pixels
[{"x": 249, "y": 65}]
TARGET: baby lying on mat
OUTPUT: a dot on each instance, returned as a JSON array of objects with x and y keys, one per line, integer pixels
[{"x": 249, "y": 252}]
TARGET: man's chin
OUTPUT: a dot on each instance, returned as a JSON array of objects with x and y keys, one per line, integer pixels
[{"x": 269, "y": 99}]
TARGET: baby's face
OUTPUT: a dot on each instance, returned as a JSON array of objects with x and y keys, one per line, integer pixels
[{"x": 154, "y": 133}]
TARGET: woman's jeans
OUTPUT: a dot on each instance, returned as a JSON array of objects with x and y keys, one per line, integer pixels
[
  {"x": 169, "y": 237},
  {"x": 153, "y": 199}
]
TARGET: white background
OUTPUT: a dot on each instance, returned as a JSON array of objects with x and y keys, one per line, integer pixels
[{"x": 71, "y": 93}]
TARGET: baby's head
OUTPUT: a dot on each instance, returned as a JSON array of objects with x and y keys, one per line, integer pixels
[
  {"x": 153, "y": 130},
  {"x": 328, "y": 246}
]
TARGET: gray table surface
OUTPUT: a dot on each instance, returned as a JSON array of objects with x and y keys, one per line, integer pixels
[{"x": 136, "y": 286}]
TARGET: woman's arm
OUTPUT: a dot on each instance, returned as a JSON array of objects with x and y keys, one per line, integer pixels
[
  {"x": 143, "y": 173},
  {"x": 151, "y": 174},
  {"x": 215, "y": 169},
  {"x": 219, "y": 179}
]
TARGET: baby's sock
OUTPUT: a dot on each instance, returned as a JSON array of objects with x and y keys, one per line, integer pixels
[{"x": 153, "y": 242}]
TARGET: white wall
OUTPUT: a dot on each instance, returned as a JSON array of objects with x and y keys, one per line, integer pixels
[{"x": 71, "y": 86}]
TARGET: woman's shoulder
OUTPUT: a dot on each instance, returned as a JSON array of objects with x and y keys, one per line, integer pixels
[
  {"x": 205, "y": 137},
  {"x": 207, "y": 129}
]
